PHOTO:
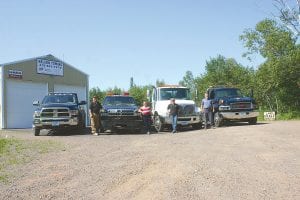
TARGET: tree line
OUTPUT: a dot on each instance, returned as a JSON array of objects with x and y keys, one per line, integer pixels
[{"x": 275, "y": 82}]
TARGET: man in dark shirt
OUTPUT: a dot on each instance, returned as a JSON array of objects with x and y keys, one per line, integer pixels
[
  {"x": 173, "y": 110},
  {"x": 95, "y": 107}
]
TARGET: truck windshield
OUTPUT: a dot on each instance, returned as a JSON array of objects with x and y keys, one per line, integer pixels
[
  {"x": 177, "y": 93},
  {"x": 228, "y": 92},
  {"x": 63, "y": 98},
  {"x": 118, "y": 100}
]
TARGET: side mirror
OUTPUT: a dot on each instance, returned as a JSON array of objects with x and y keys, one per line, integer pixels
[
  {"x": 82, "y": 103},
  {"x": 36, "y": 103},
  {"x": 148, "y": 95},
  {"x": 212, "y": 95}
]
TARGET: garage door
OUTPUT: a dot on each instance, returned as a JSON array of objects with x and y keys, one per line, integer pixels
[{"x": 19, "y": 98}]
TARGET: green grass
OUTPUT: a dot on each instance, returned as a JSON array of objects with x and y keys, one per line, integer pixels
[
  {"x": 288, "y": 116},
  {"x": 14, "y": 152},
  {"x": 293, "y": 115}
]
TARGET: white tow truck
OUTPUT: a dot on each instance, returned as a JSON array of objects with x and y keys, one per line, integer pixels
[{"x": 189, "y": 113}]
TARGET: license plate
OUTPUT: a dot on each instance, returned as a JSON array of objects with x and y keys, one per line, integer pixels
[
  {"x": 243, "y": 114},
  {"x": 55, "y": 123},
  {"x": 184, "y": 123}
]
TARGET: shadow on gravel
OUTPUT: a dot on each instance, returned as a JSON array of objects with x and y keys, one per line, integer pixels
[
  {"x": 65, "y": 132},
  {"x": 87, "y": 131},
  {"x": 228, "y": 124}
]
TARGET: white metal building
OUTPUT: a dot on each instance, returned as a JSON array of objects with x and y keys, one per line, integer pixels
[{"x": 22, "y": 82}]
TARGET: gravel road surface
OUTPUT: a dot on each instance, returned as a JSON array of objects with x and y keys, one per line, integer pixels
[{"x": 236, "y": 162}]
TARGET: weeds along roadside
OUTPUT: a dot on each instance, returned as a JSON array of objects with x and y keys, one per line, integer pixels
[{"x": 15, "y": 152}]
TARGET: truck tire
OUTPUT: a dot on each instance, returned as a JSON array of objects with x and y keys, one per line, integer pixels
[
  {"x": 158, "y": 125},
  {"x": 82, "y": 125},
  {"x": 36, "y": 131},
  {"x": 218, "y": 120},
  {"x": 253, "y": 121}
]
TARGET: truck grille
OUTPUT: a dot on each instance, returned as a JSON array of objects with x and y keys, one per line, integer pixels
[
  {"x": 186, "y": 110},
  {"x": 120, "y": 112},
  {"x": 240, "y": 105},
  {"x": 55, "y": 112}
]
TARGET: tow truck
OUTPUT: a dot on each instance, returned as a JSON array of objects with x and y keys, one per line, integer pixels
[{"x": 120, "y": 112}]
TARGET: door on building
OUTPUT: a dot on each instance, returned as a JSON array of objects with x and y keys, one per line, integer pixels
[{"x": 19, "y": 98}]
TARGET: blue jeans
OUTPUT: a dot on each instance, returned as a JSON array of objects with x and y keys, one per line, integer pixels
[
  {"x": 174, "y": 122},
  {"x": 147, "y": 122}
]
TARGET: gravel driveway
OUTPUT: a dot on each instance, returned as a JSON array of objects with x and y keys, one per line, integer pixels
[{"x": 235, "y": 162}]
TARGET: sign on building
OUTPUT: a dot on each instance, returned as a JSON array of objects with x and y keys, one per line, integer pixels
[
  {"x": 50, "y": 67},
  {"x": 15, "y": 74}
]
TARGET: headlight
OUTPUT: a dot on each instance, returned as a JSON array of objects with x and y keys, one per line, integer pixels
[
  {"x": 136, "y": 112},
  {"x": 74, "y": 112},
  {"x": 37, "y": 113},
  {"x": 221, "y": 101},
  {"x": 103, "y": 112}
]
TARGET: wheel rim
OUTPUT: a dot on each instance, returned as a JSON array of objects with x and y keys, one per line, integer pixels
[
  {"x": 217, "y": 120},
  {"x": 157, "y": 123}
]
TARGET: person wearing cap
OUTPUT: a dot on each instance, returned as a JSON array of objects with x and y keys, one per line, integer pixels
[
  {"x": 173, "y": 110},
  {"x": 94, "y": 110}
]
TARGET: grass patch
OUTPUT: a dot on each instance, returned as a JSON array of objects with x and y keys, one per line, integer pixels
[
  {"x": 292, "y": 115},
  {"x": 288, "y": 116},
  {"x": 15, "y": 152}
]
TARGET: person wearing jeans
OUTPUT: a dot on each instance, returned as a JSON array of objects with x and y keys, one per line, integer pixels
[
  {"x": 173, "y": 110},
  {"x": 206, "y": 108}
]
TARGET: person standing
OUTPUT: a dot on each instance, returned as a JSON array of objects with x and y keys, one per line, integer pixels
[
  {"x": 145, "y": 110},
  {"x": 173, "y": 110},
  {"x": 95, "y": 107},
  {"x": 206, "y": 108}
]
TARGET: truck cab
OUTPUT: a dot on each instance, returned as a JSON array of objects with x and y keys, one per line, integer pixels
[
  {"x": 189, "y": 113},
  {"x": 231, "y": 105}
]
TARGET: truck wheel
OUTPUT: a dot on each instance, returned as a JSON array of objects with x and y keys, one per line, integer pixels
[
  {"x": 218, "y": 120},
  {"x": 82, "y": 124},
  {"x": 157, "y": 123},
  {"x": 36, "y": 131},
  {"x": 253, "y": 121}
]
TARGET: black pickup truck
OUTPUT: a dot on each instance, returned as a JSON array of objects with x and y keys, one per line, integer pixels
[
  {"x": 58, "y": 111},
  {"x": 120, "y": 112},
  {"x": 231, "y": 105}
]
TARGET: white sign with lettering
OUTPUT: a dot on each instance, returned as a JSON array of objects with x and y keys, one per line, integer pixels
[
  {"x": 269, "y": 115},
  {"x": 49, "y": 67}
]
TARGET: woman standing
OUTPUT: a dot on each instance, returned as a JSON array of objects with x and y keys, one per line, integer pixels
[{"x": 145, "y": 110}]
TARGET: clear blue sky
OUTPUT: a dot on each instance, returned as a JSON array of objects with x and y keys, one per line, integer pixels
[{"x": 114, "y": 40}]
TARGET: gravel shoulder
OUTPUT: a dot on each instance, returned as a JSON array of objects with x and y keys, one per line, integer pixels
[{"x": 234, "y": 162}]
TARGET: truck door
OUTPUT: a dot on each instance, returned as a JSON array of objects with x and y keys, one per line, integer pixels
[{"x": 154, "y": 98}]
